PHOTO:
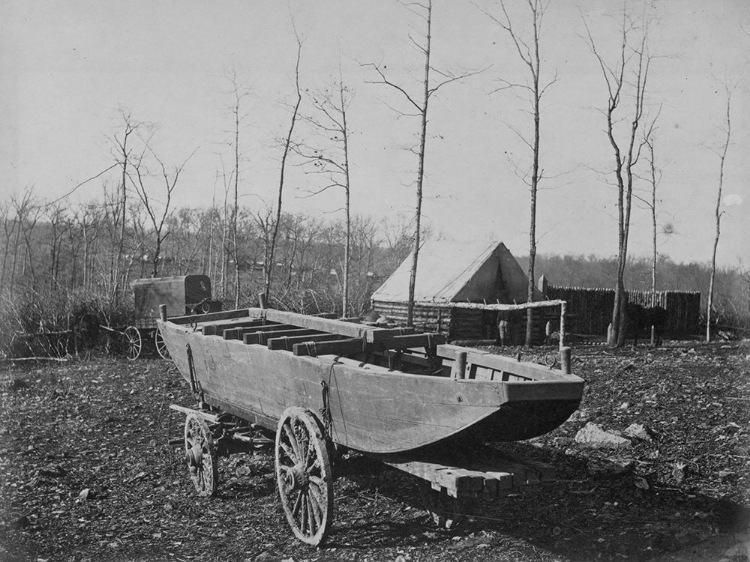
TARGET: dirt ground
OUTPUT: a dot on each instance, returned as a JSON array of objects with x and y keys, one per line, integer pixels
[{"x": 87, "y": 474}]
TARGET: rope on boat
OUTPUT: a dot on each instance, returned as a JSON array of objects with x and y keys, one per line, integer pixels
[
  {"x": 311, "y": 349},
  {"x": 325, "y": 411}
]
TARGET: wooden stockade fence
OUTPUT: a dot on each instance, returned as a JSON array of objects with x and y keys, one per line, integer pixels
[
  {"x": 472, "y": 321},
  {"x": 590, "y": 310}
]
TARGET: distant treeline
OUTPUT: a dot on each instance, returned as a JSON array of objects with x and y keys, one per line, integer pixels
[{"x": 59, "y": 261}]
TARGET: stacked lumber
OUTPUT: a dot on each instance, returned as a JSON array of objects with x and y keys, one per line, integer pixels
[{"x": 484, "y": 472}]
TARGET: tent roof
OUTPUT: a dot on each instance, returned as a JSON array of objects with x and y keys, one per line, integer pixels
[{"x": 448, "y": 271}]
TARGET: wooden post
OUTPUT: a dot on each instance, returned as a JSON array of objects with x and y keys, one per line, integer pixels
[
  {"x": 163, "y": 312},
  {"x": 262, "y": 300},
  {"x": 565, "y": 360},
  {"x": 653, "y": 335},
  {"x": 562, "y": 325},
  {"x": 459, "y": 367}
]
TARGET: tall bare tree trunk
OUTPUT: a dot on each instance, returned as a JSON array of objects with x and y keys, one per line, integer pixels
[
  {"x": 348, "y": 242},
  {"x": 717, "y": 216},
  {"x": 420, "y": 170},
  {"x": 617, "y": 77},
  {"x": 422, "y": 108},
  {"x": 236, "y": 206},
  {"x": 287, "y": 147},
  {"x": 529, "y": 53}
]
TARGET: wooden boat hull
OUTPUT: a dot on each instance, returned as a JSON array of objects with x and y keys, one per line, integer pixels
[{"x": 366, "y": 407}]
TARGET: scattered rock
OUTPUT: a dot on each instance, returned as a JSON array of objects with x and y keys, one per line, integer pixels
[
  {"x": 592, "y": 435},
  {"x": 639, "y": 431}
]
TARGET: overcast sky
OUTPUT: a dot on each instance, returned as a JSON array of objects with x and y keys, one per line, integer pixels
[{"x": 66, "y": 69}]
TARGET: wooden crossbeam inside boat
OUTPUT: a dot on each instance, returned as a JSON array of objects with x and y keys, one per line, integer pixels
[
  {"x": 341, "y": 347},
  {"x": 355, "y": 345},
  {"x": 287, "y": 343},
  {"x": 237, "y": 333},
  {"x": 369, "y": 333},
  {"x": 216, "y": 328},
  {"x": 265, "y": 336}
]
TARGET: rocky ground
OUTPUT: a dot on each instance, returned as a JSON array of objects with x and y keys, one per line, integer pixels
[{"x": 86, "y": 473}]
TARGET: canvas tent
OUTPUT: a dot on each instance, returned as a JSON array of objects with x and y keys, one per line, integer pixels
[{"x": 457, "y": 272}]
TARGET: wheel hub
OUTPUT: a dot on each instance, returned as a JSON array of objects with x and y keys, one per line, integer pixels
[
  {"x": 194, "y": 455},
  {"x": 294, "y": 478}
]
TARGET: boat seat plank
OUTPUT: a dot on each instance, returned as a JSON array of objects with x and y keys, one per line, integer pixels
[
  {"x": 340, "y": 347},
  {"x": 287, "y": 343},
  {"x": 348, "y": 329},
  {"x": 217, "y": 327},
  {"x": 354, "y": 345},
  {"x": 237, "y": 333},
  {"x": 264, "y": 336}
]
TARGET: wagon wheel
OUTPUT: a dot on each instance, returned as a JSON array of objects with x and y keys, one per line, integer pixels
[
  {"x": 133, "y": 343},
  {"x": 303, "y": 474},
  {"x": 161, "y": 347},
  {"x": 201, "y": 456}
]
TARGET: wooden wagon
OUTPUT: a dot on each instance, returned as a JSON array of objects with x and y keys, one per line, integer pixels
[
  {"x": 183, "y": 294},
  {"x": 321, "y": 384}
]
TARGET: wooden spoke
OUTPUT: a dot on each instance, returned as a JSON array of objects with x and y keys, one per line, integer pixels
[
  {"x": 303, "y": 474},
  {"x": 133, "y": 343},
  {"x": 201, "y": 457},
  {"x": 161, "y": 347}
]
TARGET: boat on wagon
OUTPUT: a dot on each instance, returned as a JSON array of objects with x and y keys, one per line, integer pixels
[{"x": 320, "y": 383}]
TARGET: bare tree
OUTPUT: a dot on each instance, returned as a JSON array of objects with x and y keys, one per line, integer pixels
[
  {"x": 653, "y": 179},
  {"x": 239, "y": 95},
  {"x": 9, "y": 229},
  {"x": 330, "y": 156},
  {"x": 421, "y": 106},
  {"x": 122, "y": 152},
  {"x": 722, "y": 153},
  {"x": 87, "y": 220},
  {"x": 532, "y": 90},
  {"x": 287, "y": 147},
  {"x": 59, "y": 225},
  {"x": 27, "y": 211},
  {"x": 627, "y": 76},
  {"x": 151, "y": 205}
]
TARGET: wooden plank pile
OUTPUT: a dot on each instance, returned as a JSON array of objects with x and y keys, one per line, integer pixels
[{"x": 481, "y": 472}]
